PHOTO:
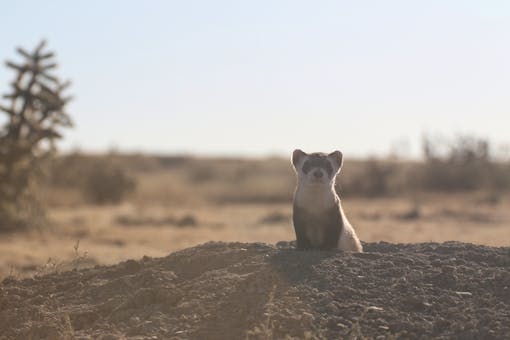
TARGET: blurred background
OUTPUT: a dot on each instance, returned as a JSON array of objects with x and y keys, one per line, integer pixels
[{"x": 180, "y": 118}]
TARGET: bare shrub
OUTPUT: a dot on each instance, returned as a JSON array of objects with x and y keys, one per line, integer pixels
[
  {"x": 375, "y": 178},
  {"x": 462, "y": 164},
  {"x": 107, "y": 182},
  {"x": 99, "y": 179}
]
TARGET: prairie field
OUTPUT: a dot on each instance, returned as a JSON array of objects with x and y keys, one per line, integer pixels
[{"x": 180, "y": 202}]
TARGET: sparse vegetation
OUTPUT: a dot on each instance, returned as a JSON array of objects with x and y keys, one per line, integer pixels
[
  {"x": 183, "y": 180},
  {"x": 376, "y": 178},
  {"x": 35, "y": 114},
  {"x": 97, "y": 179},
  {"x": 465, "y": 163},
  {"x": 107, "y": 182},
  {"x": 53, "y": 265},
  {"x": 138, "y": 220}
]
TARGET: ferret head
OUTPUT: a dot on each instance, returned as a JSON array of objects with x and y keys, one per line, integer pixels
[{"x": 317, "y": 168}]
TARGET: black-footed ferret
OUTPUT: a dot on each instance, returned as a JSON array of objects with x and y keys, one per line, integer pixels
[{"x": 319, "y": 220}]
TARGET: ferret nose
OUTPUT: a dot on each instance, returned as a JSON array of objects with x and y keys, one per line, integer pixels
[{"x": 317, "y": 174}]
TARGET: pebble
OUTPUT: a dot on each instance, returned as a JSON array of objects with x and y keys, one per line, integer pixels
[{"x": 464, "y": 293}]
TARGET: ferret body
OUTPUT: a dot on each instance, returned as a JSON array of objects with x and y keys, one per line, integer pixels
[{"x": 319, "y": 220}]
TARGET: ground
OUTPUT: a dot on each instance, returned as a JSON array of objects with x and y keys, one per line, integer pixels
[
  {"x": 253, "y": 290},
  {"x": 56, "y": 282},
  {"x": 109, "y": 234}
]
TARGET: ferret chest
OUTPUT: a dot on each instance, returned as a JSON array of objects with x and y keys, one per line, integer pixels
[{"x": 315, "y": 201}]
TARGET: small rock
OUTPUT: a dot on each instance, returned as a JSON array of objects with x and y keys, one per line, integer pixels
[
  {"x": 464, "y": 293},
  {"x": 375, "y": 309}
]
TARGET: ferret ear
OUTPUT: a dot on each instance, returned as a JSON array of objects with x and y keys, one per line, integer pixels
[
  {"x": 337, "y": 157},
  {"x": 296, "y": 156}
]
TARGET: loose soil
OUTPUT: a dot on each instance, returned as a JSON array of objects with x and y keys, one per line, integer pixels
[{"x": 252, "y": 290}]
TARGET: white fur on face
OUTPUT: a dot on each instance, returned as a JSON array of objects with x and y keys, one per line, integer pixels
[{"x": 315, "y": 194}]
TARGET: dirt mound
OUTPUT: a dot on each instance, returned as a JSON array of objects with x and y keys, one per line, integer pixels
[{"x": 251, "y": 290}]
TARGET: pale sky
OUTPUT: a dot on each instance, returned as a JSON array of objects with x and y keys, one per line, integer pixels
[{"x": 263, "y": 77}]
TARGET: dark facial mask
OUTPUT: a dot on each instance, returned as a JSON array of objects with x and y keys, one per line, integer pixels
[{"x": 318, "y": 162}]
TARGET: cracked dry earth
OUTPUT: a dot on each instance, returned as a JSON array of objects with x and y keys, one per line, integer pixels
[{"x": 253, "y": 290}]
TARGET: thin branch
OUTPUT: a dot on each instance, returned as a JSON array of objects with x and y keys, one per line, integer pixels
[
  {"x": 46, "y": 55},
  {"x": 24, "y": 53},
  {"x": 48, "y": 77},
  {"x": 48, "y": 67},
  {"x": 14, "y": 66},
  {"x": 39, "y": 47}
]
